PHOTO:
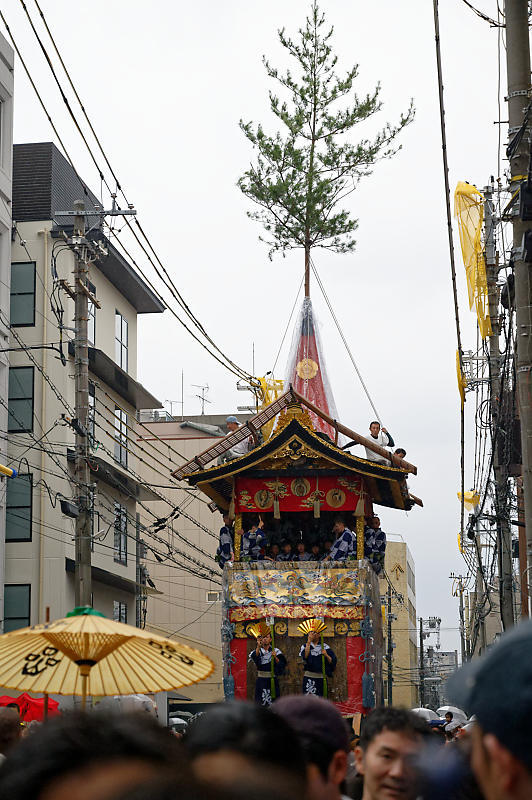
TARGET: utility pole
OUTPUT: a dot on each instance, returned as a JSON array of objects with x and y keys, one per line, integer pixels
[
  {"x": 518, "y": 70},
  {"x": 500, "y": 465},
  {"x": 421, "y": 665},
  {"x": 82, "y": 574},
  {"x": 458, "y": 589},
  {"x": 390, "y": 647}
]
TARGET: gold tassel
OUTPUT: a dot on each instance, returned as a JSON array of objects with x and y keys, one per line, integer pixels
[
  {"x": 276, "y": 509},
  {"x": 231, "y": 511},
  {"x": 317, "y": 508}
]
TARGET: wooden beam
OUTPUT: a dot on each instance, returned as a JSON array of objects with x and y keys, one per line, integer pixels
[{"x": 356, "y": 437}]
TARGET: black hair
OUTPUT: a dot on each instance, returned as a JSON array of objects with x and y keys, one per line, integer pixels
[
  {"x": 75, "y": 740},
  {"x": 248, "y": 729},
  {"x": 400, "y": 450},
  {"x": 9, "y": 728},
  {"x": 388, "y": 718},
  {"x": 450, "y": 714},
  {"x": 375, "y": 422}
]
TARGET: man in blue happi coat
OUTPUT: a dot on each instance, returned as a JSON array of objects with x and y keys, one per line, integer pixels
[
  {"x": 225, "y": 552},
  {"x": 254, "y": 541},
  {"x": 262, "y": 658},
  {"x": 375, "y": 544},
  {"x": 314, "y": 659},
  {"x": 345, "y": 545}
]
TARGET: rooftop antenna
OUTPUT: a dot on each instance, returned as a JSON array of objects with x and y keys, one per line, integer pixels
[{"x": 203, "y": 391}]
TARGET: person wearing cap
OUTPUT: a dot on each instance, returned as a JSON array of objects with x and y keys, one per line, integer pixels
[
  {"x": 313, "y": 662},
  {"x": 497, "y": 689},
  {"x": 240, "y": 448},
  {"x": 323, "y": 736},
  {"x": 262, "y": 658}
]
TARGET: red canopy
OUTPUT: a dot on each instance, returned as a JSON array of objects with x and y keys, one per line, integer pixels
[
  {"x": 307, "y": 370},
  {"x": 31, "y": 707}
]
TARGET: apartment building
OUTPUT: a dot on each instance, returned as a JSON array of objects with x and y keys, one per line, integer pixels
[
  {"x": 39, "y": 535},
  {"x": 182, "y": 566},
  {"x": 6, "y": 149},
  {"x": 400, "y": 568}
]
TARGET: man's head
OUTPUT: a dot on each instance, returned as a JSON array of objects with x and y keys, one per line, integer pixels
[
  {"x": 339, "y": 526},
  {"x": 314, "y": 637},
  {"x": 390, "y": 742},
  {"x": 301, "y": 547},
  {"x": 274, "y": 550},
  {"x": 91, "y": 757},
  {"x": 400, "y": 452},
  {"x": 324, "y": 738},
  {"x": 375, "y": 523},
  {"x": 10, "y": 728},
  {"x": 374, "y": 428},
  {"x": 286, "y": 547},
  {"x": 315, "y": 549},
  {"x": 227, "y": 520},
  {"x": 327, "y": 544},
  {"x": 449, "y": 716},
  {"x": 232, "y": 423},
  {"x": 497, "y": 689},
  {"x": 265, "y": 640},
  {"x": 239, "y": 743}
]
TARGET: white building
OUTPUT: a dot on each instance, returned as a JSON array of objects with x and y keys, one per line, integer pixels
[
  {"x": 6, "y": 150},
  {"x": 39, "y": 537}
]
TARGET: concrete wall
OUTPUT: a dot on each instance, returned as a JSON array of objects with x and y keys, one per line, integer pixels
[
  {"x": 41, "y": 561},
  {"x": 6, "y": 149},
  {"x": 400, "y": 569}
]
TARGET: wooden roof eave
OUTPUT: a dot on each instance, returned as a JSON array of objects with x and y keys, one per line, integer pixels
[{"x": 337, "y": 457}]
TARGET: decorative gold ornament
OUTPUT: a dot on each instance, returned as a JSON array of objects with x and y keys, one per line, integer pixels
[
  {"x": 258, "y": 629},
  {"x": 281, "y": 628},
  {"x": 335, "y": 497},
  {"x": 306, "y": 369},
  {"x": 263, "y": 499},
  {"x": 300, "y": 487},
  {"x": 316, "y": 625}
]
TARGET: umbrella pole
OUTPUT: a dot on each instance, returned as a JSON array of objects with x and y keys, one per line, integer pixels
[{"x": 84, "y": 671}]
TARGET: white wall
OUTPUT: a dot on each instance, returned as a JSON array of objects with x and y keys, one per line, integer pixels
[{"x": 6, "y": 151}]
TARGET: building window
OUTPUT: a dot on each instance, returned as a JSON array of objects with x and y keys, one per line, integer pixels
[
  {"x": 120, "y": 541},
  {"x": 214, "y": 597},
  {"x": 410, "y": 577},
  {"x": 120, "y": 436},
  {"x": 91, "y": 417},
  {"x": 121, "y": 340},
  {"x": 22, "y": 293},
  {"x": 17, "y": 597},
  {"x": 91, "y": 321},
  {"x": 20, "y": 407},
  {"x": 120, "y": 611},
  {"x": 19, "y": 508}
]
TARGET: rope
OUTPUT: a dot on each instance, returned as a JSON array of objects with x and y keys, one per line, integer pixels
[
  {"x": 344, "y": 340},
  {"x": 451, "y": 249}
]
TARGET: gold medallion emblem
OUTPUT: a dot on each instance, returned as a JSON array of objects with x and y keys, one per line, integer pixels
[
  {"x": 335, "y": 498},
  {"x": 300, "y": 487},
  {"x": 306, "y": 368},
  {"x": 263, "y": 498}
]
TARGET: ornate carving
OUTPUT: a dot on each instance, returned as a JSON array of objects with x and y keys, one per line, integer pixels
[
  {"x": 240, "y": 631},
  {"x": 293, "y": 411},
  {"x": 281, "y": 628},
  {"x": 295, "y": 449}
]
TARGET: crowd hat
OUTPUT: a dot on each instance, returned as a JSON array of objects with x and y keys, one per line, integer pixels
[
  {"x": 497, "y": 689},
  {"x": 232, "y": 418}
]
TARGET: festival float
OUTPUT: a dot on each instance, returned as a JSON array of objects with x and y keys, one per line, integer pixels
[{"x": 298, "y": 477}]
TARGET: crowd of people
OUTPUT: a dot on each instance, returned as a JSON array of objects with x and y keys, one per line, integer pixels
[
  {"x": 257, "y": 544},
  {"x": 300, "y": 748}
]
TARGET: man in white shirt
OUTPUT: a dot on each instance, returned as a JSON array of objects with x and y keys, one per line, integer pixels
[
  {"x": 239, "y": 449},
  {"x": 381, "y": 437}
]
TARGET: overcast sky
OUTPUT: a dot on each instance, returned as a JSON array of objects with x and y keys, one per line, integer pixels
[{"x": 165, "y": 84}]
